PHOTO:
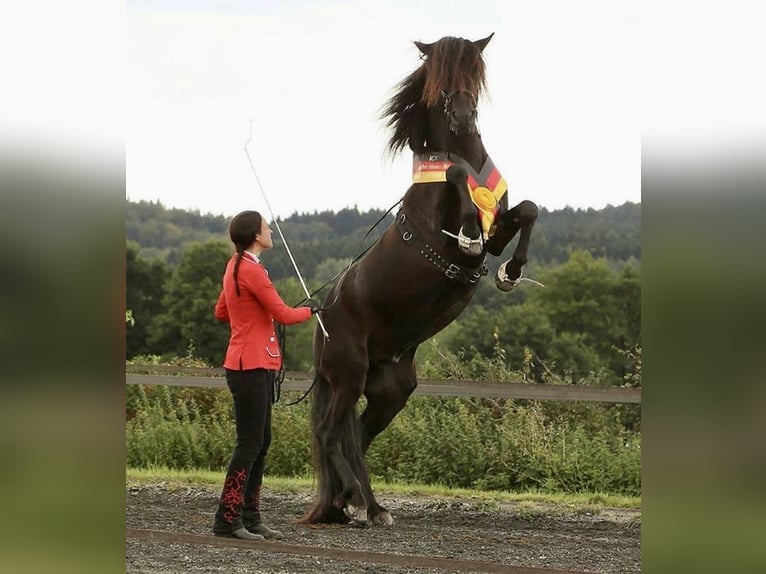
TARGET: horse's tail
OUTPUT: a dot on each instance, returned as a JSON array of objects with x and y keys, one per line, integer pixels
[{"x": 330, "y": 498}]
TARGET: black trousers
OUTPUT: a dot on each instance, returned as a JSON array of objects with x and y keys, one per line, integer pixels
[{"x": 252, "y": 391}]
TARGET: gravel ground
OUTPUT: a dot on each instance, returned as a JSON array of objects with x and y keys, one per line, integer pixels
[{"x": 608, "y": 541}]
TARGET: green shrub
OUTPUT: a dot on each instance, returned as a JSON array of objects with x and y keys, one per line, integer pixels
[
  {"x": 458, "y": 442},
  {"x": 507, "y": 445},
  {"x": 290, "y": 451},
  {"x": 169, "y": 428}
]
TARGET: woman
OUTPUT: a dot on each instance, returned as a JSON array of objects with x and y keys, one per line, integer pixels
[{"x": 250, "y": 304}]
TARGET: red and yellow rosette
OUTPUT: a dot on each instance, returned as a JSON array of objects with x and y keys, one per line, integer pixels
[
  {"x": 486, "y": 203},
  {"x": 487, "y": 198}
]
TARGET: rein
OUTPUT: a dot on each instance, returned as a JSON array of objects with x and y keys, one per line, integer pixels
[
  {"x": 357, "y": 255},
  {"x": 282, "y": 332}
]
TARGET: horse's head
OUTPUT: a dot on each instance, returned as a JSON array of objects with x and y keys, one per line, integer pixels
[
  {"x": 457, "y": 113},
  {"x": 434, "y": 108},
  {"x": 434, "y": 114}
]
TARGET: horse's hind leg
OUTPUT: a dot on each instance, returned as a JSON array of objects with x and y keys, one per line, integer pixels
[
  {"x": 387, "y": 390},
  {"x": 338, "y": 438},
  {"x": 522, "y": 217}
]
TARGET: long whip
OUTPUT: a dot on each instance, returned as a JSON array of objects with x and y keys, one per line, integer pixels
[{"x": 279, "y": 229}]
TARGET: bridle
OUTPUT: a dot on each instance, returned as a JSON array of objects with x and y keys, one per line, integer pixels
[{"x": 448, "y": 112}]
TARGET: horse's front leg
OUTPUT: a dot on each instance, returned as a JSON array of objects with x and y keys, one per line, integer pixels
[
  {"x": 520, "y": 218},
  {"x": 469, "y": 237}
]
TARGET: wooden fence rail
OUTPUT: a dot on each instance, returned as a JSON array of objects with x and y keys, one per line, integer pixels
[{"x": 300, "y": 381}]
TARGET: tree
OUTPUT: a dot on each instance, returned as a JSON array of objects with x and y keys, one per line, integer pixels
[
  {"x": 587, "y": 310},
  {"x": 579, "y": 296},
  {"x": 518, "y": 326},
  {"x": 593, "y": 310},
  {"x": 188, "y": 322},
  {"x": 144, "y": 281},
  {"x": 328, "y": 269},
  {"x": 628, "y": 291}
]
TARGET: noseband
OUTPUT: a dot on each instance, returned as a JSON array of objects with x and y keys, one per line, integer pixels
[{"x": 447, "y": 109}]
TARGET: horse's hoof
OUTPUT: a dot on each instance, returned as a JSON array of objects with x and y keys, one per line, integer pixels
[
  {"x": 357, "y": 514},
  {"x": 468, "y": 245},
  {"x": 475, "y": 249},
  {"x": 383, "y": 519},
  {"x": 505, "y": 284},
  {"x": 502, "y": 281}
]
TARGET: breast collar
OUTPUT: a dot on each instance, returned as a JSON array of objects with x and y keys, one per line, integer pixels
[
  {"x": 486, "y": 187},
  {"x": 412, "y": 236}
]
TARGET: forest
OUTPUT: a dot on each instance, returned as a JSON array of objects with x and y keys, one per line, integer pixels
[{"x": 583, "y": 326}]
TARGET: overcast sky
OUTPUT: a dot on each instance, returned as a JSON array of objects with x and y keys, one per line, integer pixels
[{"x": 561, "y": 121}]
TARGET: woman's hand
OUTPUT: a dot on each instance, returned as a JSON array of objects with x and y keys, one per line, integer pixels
[{"x": 314, "y": 305}]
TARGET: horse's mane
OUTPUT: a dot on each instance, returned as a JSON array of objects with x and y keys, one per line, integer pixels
[{"x": 454, "y": 65}]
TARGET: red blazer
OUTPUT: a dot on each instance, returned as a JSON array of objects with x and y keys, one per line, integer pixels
[{"x": 253, "y": 342}]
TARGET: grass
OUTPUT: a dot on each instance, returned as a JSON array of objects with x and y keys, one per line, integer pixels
[{"x": 529, "y": 501}]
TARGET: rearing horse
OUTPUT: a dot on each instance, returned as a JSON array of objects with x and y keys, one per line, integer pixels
[{"x": 416, "y": 279}]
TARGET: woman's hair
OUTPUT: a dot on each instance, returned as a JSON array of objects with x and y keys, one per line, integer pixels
[{"x": 243, "y": 228}]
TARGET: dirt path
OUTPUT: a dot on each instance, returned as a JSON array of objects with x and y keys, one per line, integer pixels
[{"x": 608, "y": 542}]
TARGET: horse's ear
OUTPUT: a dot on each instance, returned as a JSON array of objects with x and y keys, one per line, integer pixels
[
  {"x": 481, "y": 44},
  {"x": 425, "y": 49}
]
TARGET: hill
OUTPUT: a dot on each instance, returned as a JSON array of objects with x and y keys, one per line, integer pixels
[{"x": 162, "y": 233}]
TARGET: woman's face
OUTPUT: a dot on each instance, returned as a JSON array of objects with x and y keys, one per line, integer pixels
[{"x": 264, "y": 237}]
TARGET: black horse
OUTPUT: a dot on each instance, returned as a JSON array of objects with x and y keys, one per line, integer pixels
[{"x": 416, "y": 279}]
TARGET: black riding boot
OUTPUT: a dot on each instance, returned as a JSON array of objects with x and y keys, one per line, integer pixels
[
  {"x": 228, "y": 517},
  {"x": 251, "y": 516}
]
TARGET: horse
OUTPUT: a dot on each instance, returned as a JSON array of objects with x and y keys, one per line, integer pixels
[{"x": 415, "y": 280}]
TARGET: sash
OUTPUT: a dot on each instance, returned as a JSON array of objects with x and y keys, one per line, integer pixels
[{"x": 485, "y": 188}]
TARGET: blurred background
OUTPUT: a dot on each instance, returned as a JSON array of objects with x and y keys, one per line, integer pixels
[{"x": 62, "y": 234}]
